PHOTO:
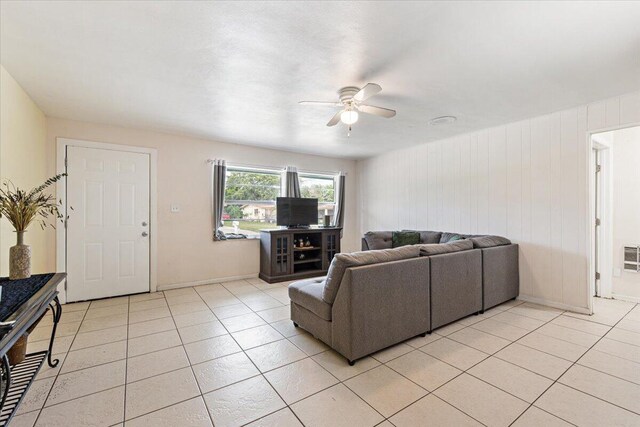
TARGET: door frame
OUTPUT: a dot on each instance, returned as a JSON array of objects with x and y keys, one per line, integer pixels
[
  {"x": 603, "y": 257},
  {"x": 591, "y": 207},
  {"x": 61, "y": 193}
]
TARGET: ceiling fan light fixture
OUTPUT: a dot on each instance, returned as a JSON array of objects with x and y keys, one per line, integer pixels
[{"x": 349, "y": 117}]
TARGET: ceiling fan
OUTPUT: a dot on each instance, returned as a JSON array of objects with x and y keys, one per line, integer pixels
[{"x": 351, "y": 101}]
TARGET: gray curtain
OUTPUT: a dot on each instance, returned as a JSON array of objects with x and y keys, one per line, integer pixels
[
  {"x": 291, "y": 182},
  {"x": 338, "y": 216},
  {"x": 219, "y": 180}
]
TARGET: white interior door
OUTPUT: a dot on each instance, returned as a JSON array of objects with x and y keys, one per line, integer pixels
[{"x": 108, "y": 228}]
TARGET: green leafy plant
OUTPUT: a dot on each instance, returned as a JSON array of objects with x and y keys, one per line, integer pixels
[{"x": 22, "y": 207}]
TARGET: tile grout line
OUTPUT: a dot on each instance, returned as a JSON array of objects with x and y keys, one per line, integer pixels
[
  {"x": 571, "y": 366},
  {"x": 385, "y": 364},
  {"x": 60, "y": 364},
  {"x": 307, "y": 356},
  {"x": 190, "y": 364},
  {"x": 409, "y": 379},
  {"x": 554, "y": 381},
  {"x": 126, "y": 365},
  {"x": 493, "y": 355},
  {"x": 173, "y": 370},
  {"x": 465, "y": 371},
  {"x": 260, "y": 373},
  {"x": 276, "y": 391}
]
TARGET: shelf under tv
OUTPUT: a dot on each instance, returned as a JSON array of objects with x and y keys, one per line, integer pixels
[
  {"x": 307, "y": 248},
  {"x": 305, "y": 261}
]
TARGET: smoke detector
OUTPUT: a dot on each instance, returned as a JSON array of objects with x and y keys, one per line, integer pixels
[{"x": 444, "y": 120}]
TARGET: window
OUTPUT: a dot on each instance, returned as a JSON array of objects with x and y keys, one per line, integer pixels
[
  {"x": 319, "y": 187},
  {"x": 250, "y": 200}
]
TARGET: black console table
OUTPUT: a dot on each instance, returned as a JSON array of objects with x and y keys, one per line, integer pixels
[
  {"x": 22, "y": 303},
  {"x": 281, "y": 260}
]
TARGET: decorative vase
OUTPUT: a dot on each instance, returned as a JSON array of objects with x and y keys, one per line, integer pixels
[
  {"x": 18, "y": 352},
  {"x": 20, "y": 259}
]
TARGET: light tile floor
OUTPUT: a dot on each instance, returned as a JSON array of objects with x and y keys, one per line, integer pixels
[{"x": 227, "y": 354}]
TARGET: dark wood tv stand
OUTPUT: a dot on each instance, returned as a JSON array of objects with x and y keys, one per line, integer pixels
[{"x": 281, "y": 261}]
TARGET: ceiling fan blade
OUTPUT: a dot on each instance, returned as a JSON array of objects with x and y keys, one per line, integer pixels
[
  {"x": 367, "y": 91},
  {"x": 377, "y": 111},
  {"x": 333, "y": 104},
  {"x": 335, "y": 119}
]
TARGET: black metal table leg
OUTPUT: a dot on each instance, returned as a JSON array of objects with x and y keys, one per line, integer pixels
[
  {"x": 56, "y": 311},
  {"x": 7, "y": 369}
]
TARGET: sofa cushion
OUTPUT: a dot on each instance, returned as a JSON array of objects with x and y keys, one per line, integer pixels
[
  {"x": 448, "y": 237},
  {"x": 404, "y": 238},
  {"x": 445, "y": 248},
  {"x": 341, "y": 262},
  {"x": 379, "y": 239},
  {"x": 308, "y": 294},
  {"x": 429, "y": 236},
  {"x": 489, "y": 241}
]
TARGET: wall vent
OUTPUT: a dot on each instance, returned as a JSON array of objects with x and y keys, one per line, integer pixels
[{"x": 632, "y": 258}]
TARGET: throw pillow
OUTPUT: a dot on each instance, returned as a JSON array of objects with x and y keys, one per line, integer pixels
[
  {"x": 404, "y": 238},
  {"x": 378, "y": 239},
  {"x": 428, "y": 236},
  {"x": 450, "y": 237}
]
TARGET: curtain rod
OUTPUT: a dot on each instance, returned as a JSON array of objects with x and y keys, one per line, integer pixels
[{"x": 277, "y": 168}]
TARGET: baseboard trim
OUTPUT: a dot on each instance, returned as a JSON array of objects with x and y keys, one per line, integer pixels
[
  {"x": 205, "y": 282},
  {"x": 561, "y": 306},
  {"x": 625, "y": 298}
]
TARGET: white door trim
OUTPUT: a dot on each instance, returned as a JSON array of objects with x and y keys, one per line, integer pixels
[
  {"x": 61, "y": 193},
  {"x": 605, "y": 252}
]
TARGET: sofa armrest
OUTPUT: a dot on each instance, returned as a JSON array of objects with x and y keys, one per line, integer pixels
[
  {"x": 380, "y": 305},
  {"x": 365, "y": 246}
]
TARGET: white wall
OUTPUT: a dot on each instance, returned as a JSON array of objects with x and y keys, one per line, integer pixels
[
  {"x": 526, "y": 180},
  {"x": 625, "y": 154},
  {"x": 22, "y": 160},
  {"x": 186, "y": 251}
]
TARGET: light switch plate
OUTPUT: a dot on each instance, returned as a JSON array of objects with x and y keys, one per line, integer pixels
[
  {"x": 617, "y": 272},
  {"x": 175, "y": 208}
]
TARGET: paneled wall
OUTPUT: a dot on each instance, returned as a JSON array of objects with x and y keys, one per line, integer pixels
[{"x": 526, "y": 180}]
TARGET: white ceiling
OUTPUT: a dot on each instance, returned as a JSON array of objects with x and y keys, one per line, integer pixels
[{"x": 234, "y": 71}]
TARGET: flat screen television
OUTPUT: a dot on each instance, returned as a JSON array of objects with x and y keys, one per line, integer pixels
[{"x": 296, "y": 212}]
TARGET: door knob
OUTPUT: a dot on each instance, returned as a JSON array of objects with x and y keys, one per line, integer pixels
[
  {"x": 144, "y": 223},
  {"x": 145, "y": 234}
]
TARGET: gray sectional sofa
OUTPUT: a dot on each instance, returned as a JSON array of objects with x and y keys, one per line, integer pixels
[{"x": 381, "y": 296}]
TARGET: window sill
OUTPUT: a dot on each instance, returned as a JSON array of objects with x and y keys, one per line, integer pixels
[{"x": 240, "y": 240}]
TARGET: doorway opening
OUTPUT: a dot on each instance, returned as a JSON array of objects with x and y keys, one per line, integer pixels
[{"x": 615, "y": 215}]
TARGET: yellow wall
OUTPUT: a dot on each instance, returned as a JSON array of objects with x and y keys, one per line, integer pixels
[
  {"x": 186, "y": 252},
  {"x": 23, "y": 130}
]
